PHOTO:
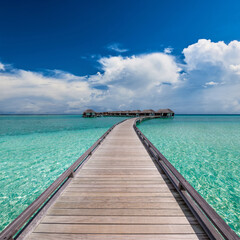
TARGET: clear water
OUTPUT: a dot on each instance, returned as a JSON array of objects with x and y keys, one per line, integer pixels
[
  {"x": 206, "y": 151},
  {"x": 35, "y": 150}
]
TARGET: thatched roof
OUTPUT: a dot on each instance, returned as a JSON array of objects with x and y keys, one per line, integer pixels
[
  {"x": 135, "y": 111},
  {"x": 148, "y": 111},
  {"x": 89, "y": 111},
  {"x": 167, "y": 110},
  {"x": 112, "y": 112}
]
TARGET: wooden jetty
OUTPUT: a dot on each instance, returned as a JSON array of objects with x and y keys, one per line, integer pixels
[{"x": 121, "y": 188}]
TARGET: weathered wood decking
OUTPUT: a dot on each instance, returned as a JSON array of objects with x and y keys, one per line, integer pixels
[{"x": 119, "y": 194}]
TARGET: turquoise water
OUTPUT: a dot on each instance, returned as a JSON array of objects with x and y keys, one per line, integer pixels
[
  {"x": 206, "y": 151},
  {"x": 35, "y": 150}
]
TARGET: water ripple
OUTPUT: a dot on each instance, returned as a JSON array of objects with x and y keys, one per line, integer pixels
[{"x": 206, "y": 151}]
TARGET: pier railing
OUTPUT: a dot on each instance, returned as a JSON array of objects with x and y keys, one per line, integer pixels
[
  {"x": 212, "y": 223},
  {"x": 57, "y": 186}
]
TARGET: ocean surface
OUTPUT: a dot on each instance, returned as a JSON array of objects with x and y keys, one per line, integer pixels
[
  {"x": 35, "y": 150},
  {"x": 205, "y": 149}
]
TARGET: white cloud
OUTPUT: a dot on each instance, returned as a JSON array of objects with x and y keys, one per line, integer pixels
[
  {"x": 235, "y": 68},
  {"x": 138, "y": 81},
  {"x": 205, "y": 53},
  {"x": 2, "y": 67},
  {"x": 117, "y": 48},
  {"x": 208, "y": 82},
  {"x": 216, "y": 65},
  {"x": 211, "y": 83},
  {"x": 143, "y": 71},
  {"x": 168, "y": 50},
  {"x": 25, "y": 91}
]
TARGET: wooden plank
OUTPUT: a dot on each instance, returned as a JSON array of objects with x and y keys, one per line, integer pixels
[
  {"x": 120, "y": 157},
  {"x": 117, "y": 212},
  {"x": 49, "y": 236},
  {"x": 132, "y": 148},
  {"x": 106, "y": 199},
  {"x": 120, "y": 167},
  {"x": 120, "y": 161},
  {"x": 148, "y": 220},
  {"x": 118, "y": 229},
  {"x": 120, "y": 185},
  {"x": 120, "y": 172},
  {"x": 130, "y": 176},
  {"x": 117, "y": 165},
  {"x": 122, "y": 146},
  {"x": 149, "y": 205},
  {"x": 121, "y": 194},
  {"x": 124, "y": 155},
  {"x": 110, "y": 182},
  {"x": 117, "y": 178},
  {"x": 119, "y": 189},
  {"x": 121, "y": 151}
]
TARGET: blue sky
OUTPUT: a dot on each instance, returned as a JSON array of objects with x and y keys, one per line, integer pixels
[{"x": 65, "y": 56}]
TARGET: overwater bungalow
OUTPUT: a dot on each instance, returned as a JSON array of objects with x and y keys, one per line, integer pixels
[
  {"x": 165, "y": 112},
  {"x": 125, "y": 113},
  {"x": 121, "y": 113},
  {"x": 135, "y": 113},
  {"x": 147, "y": 112},
  {"x": 89, "y": 113},
  {"x": 114, "y": 113}
]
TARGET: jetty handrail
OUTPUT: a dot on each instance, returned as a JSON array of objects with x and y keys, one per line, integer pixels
[
  {"x": 10, "y": 231},
  {"x": 212, "y": 223}
]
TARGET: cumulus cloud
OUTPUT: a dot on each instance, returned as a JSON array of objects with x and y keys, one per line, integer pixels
[
  {"x": 205, "y": 52},
  {"x": 143, "y": 71},
  {"x": 137, "y": 81},
  {"x": 214, "y": 65},
  {"x": 133, "y": 82},
  {"x": 208, "y": 81},
  {"x": 117, "y": 48},
  {"x": 31, "y": 92}
]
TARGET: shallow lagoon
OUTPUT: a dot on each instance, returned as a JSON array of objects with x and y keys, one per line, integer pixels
[
  {"x": 206, "y": 151},
  {"x": 35, "y": 150}
]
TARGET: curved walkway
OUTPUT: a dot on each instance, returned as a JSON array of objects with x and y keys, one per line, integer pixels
[{"x": 119, "y": 194}]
